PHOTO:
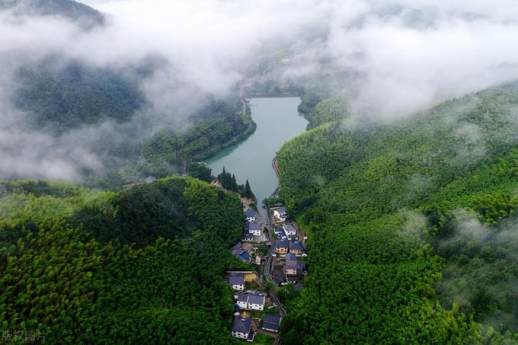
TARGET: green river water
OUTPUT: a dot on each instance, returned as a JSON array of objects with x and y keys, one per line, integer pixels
[{"x": 277, "y": 122}]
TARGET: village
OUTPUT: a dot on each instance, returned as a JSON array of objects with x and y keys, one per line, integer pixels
[{"x": 275, "y": 248}]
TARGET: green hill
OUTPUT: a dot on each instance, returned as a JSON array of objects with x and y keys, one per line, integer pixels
[
  {"x": 382, "y": 204},
  {"x": 60, "y": 97},
  {"x": 145, "y": 265}
]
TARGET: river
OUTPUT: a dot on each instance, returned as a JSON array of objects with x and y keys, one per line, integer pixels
[{"x": 277, "y": 122}]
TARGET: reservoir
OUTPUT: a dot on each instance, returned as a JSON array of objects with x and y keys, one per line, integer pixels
[{"x": 277, "y": 122}]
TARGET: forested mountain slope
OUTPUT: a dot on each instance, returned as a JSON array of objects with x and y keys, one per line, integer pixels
[
  {"x": 145, "y": 265},
  {"x": 109, "y": 112},
  {"x": 71, "y": 99},
  {"x": 391, "y": 210}
]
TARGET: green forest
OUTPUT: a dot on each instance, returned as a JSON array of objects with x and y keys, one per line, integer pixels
[
  {"x": 141, "y": 266},
  {"x": 412, "y": 225},
  {"x": 220, "y": 124},
  {"x": 59, "y": 97}
]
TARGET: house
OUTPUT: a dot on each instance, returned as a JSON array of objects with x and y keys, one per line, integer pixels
[
  {"x": 297, "y": 248},
  {"x": 242, "y": 300},
  {"x": 245, "y": 256},
  {"x": 249, "y": 276},
  {"x": 281, "y": 247},
  {"x": 250, "y": 215},
  {"x": 289, "y": 230},
  {"x": 248, "y": 237},
  {"x": 237, "y": 281},
  {"x": 279, "y": 232},
  {"x": 255, "y": 229},
  {"x": 278, "y": 276},
  {"x": 271, "y": 323},
  {"x": 256, "y": 301},
  {"x": 291, "y": 267},
  {"x": 251, "y": 300},
  {"x": 280, "y": 214},
  {"x": 242, "y": 328},
  {"x": 241, "y": 254}
]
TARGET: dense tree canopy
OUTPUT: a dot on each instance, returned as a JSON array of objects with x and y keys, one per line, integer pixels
[
  {"x": 380, "y": 203},
  {"x": 145, "y": 265}
]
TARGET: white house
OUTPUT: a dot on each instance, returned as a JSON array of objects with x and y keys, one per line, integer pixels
[
  {"x": 255, "y": 229},
  {"x": 289, "y": 230},
  {"x": 291, "y": 266},
  {"x": 272, "y": 323},
  {"x": 280, "y": 214},
  {"x": 242, "y": 328},
  {"x": 250, "y": 215},
  {"x": 251, "y": 301},
  {"x": 256, "y": 301},
  {"x": 242, "y": 300},
  {"x": 237, "y": 281}
]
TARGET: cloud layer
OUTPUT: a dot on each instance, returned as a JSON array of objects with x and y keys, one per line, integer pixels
[{"x": 396, "y": 57}]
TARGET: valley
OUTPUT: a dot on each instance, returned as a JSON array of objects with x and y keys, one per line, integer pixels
[{"x": 230, "y": 172}]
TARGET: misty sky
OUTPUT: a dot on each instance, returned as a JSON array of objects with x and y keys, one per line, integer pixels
[
  {"x": 406, "y": 55},
  {"x": 412, "y": 53}
]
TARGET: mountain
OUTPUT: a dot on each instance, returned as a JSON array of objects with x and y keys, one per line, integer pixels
[
  {"x": 144, "y": 265},
  {"x": 74, "y": 11},
  {"x": 63, "y": 97},
  {"x": 411, "y": 225}
]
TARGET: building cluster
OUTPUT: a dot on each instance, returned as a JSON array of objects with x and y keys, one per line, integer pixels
[
  {"x": 288, "y": 249},
  {"x": 280, "y": 253},
  {"x": 253, "y": 245},
  {"x": 250, "y": 305},
  {"x": 254, "y": 229}
]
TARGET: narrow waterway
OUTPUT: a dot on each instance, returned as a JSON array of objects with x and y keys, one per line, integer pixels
[{"x": 277, "y": 122}]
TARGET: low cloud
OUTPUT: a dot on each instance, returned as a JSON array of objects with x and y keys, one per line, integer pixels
[
  {"x": 479, "y": 275},
  {"x": 393, "y": 57}
]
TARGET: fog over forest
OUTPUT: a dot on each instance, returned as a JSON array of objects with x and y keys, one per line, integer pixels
[{"x": 392, "y": 59}]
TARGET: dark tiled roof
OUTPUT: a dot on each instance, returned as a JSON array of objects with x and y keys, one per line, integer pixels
[
  {"x": 251, "y": 298},
  {"x": 248, "y": 237},
  {"x": 256, "y": 299},
  {"x": 281, "y": 244},
  {"x": 242, "y": 297},
  {"x": 245, "y": 256},
  {"x": 242, "y": 325},
  {"x": 291, "y": 261},
  {"x": 296, "y": 245},
  {"x": 254, "y": 226},
  {"x": 272, "y": 322},
  {"x": 250, "y": 213},
  {"x": 236, "y": 279}
]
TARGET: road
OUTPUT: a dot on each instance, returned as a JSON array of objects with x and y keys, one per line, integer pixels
[{"x": 267, "y": 268}]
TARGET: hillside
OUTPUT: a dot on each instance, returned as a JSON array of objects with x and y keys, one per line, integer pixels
[
  {"x": 60, "y": 97},
  {"x": 406, "y": 219},
  {"x": 70, "y": 98},
  {"x": 141, "y": 266},
  {"x": 109, "y": 113}
]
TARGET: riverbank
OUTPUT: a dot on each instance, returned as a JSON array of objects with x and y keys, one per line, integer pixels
[{"x": 209, "y": 154}]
